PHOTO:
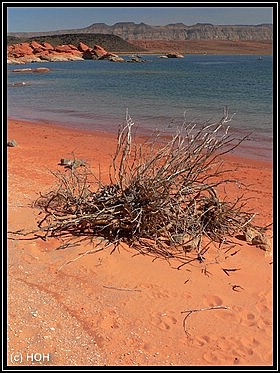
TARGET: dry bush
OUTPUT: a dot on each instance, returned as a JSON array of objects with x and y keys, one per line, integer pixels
[{"x": 162, "y": 197}]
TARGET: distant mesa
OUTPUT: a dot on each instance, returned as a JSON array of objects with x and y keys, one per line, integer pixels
[{"x": 177, "y": 31}]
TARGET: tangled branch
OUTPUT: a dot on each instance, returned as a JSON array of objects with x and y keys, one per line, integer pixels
[{"x": 162, "y": 198}]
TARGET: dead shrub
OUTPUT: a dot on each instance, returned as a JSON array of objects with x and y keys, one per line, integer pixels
[{"x": 162, "y": 198}]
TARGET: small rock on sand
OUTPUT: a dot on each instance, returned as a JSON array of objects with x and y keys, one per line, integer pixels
[{"x": 12, "y": 143}]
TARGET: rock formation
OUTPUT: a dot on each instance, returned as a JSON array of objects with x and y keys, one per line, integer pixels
[
  {"x": 29, "y": 70},
  {"x": 174, "y": 55},
  {"x": 22, "y": 53}
]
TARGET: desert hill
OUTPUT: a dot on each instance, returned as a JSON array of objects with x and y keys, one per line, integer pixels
[{"x": 108, "y": 42}]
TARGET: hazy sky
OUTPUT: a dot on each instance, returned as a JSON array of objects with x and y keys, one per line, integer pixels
[{"x": 50, "y": 18}]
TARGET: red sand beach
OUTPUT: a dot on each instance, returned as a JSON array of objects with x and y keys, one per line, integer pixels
[{"x": 121, "y": 309}]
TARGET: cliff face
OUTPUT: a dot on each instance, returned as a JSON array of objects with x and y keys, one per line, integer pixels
[
  {"x": 210, "y": 32},
  {"x": 178, "y": 31}
]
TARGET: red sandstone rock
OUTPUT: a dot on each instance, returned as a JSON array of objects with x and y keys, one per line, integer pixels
[
  {"x": 83, "y": 47},
  {"x": 47, "y": 46},
  {"x": 35, "y": 52},
  {"x": 63, "y": 48},
  {"x": 89, "y": 55},
  {"x": 38, "y": 50},
  {"x": 99, "y": 51},
  {"x": 76, "y": 53},
  {"x": 20, "y": 49},
  {"x": 73, "y": 47},
  {"x": 36, "y": 45}
]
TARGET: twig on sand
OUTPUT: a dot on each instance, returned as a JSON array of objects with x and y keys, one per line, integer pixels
[
  {"x": 122, "y": 289},
  {"x": 94, "y": 251},
  {"x": 189, "y": 312}
]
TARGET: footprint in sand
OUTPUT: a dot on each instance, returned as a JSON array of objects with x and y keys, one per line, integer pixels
[
  {"x": 248, "y": 318},
  {"x": 232, "y": 315},
  {"x": 156, "y": 292},
  {"x": 231, "y": 350},
  {"x": 236, "y": 347},
  {"x": 110, "y": 320},
  {"x": 243, "y": 316},
  {"x": 213, "y": 300},
  {"x": 217, "y": 357},
  {"x": 264, "y": 303},
  {"x": 238, "y": 315},
  {"x": 162, "y": 320},
  {"x": 250, "y": 342},
  {"x": 263, "y": 307},
  {"x": 265, "y": 325},
  {"x": 160, "y": 294},
  {"x": 200, "y": 341}
]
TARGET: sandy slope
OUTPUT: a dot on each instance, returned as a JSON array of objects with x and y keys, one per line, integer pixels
[
  {"x": 206, "y": 46},
  {"x": 122, "y": 309}
]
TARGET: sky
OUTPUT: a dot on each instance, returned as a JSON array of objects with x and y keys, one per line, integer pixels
[{"x": 28, "y": 17}]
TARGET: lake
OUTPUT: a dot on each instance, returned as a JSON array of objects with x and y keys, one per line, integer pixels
[{"x": 158, "y": 94}]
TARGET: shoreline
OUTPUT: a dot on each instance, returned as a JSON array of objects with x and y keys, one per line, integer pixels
[
  {"x": 16, "y": 63},
  {"x": 108, "y": 135},
  {"x": 253, "y": 150},
  {"x": 73, "y": 306}
]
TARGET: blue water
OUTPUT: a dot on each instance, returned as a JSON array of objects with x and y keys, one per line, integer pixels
[{"x": 157, "y": 94}]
